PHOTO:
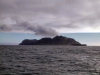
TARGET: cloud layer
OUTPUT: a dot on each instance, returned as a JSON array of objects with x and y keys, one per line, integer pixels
[{"x": 49, "y": 17}]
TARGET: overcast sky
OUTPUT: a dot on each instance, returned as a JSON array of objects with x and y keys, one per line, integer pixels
[{"x": 49, "y": 17}]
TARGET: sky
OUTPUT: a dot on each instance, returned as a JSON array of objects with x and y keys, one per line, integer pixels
[
  {"x": 91, "y": 39},
  {"x": 48, "y": 17}
]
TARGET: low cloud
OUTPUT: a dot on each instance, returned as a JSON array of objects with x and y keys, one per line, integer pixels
[
  {"x": 5, "y": 28},
  {"x": 27, "y": 27}
]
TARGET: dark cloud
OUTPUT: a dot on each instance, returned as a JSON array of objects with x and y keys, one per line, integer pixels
[
  {"x": 38, "y": 29},
  {"x": 25, "y": 26},
  {"x": 5, "y": 28},
  {"x": 47, "y": 17}
]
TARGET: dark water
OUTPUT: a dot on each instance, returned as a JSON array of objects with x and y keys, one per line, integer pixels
[{"x": 49, "y": 60}]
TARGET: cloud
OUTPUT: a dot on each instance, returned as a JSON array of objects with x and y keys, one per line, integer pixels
[
  {"x": 47, "y": 17},
  {"x": 27, "y": 27},
  {"x": 5, "y": 28},
  {"x": 37, "y": 29}
]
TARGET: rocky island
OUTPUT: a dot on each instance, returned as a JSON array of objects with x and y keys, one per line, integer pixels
[{"x": 57, "y": 40}]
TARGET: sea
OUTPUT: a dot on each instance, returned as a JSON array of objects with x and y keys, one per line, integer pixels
[{"x": 49, "y": 60}]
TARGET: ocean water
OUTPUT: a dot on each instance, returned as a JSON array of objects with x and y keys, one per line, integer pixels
[{"x": 49, "y": 60}]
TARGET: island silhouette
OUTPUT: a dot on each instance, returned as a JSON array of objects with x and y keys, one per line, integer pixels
[{"x": 57, "y": 40}]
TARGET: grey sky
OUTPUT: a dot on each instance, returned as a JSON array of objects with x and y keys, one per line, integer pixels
[{"x": 49, "y": 17}]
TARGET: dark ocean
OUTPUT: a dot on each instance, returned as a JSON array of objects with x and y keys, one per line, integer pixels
[{"x": 49, "y": 60}]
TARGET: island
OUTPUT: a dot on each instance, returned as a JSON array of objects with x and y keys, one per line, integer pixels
[{"x": 57, "y": 40}]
